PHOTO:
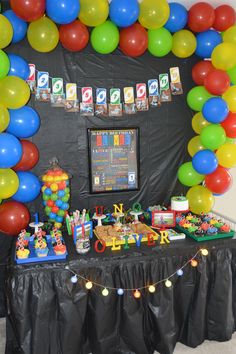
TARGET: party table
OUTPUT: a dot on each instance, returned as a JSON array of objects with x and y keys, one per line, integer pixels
[{"x": 47, "y": 313}]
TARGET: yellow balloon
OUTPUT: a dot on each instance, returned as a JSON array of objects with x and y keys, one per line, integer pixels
[
  {"x": 226, "y": 155},
  {"x": 154, "y": 13},
  {"x": 93, "y": 12},
  {"x": 199, "y": 122},
  {"x": 229, "y": 35},
  {"x": 15, "y": 92},
  {"x": 201, "y": 200},
  {"x": 9, "y": 183},
  {"x": 195, "y": 145},
  {"x": 230, "y": 97},
  {"x": 184, "y": 44},
  {"x": 223, "y": 56},
  {"x": 43, "y": 35},
  {"x": 4, "y": 118},
  {"x": 6, "y": 32}
]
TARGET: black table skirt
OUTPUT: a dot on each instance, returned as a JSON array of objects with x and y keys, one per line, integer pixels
[{"x": 50, "y": 315}]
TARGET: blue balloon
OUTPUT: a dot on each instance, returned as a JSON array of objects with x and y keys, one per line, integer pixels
[
  {"x": 59, "y": 203},
  {"x": 61, "y": 193},
  {"x": 19, "y": 26},
  {"x": 178, "y": 17},
  {"x": 59, "y": 218},
  {"x": 206, "y": 42},
  {"x": 10, "y": 150},
  {"x": 124, "y": 13},
  {"x": 62, "y": 11},
  {"x": 65, "y": 206},
  {"x": 215, "y": 110},
  {"x": 205, "y": 162},
  {"x": 18, "y": 67},
  {"x": 48, "y": 191},
  {"x": 52, "y": 215},
  {"x": 29, "y": 187},
  {"x": 44, "y": 203},
  {"x": 24, "y": 122}
]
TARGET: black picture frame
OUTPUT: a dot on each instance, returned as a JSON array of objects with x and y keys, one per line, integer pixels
[{"x": 136, "y": 141}]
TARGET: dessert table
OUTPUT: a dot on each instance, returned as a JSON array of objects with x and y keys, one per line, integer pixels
[{"x": 47, "y": 313}]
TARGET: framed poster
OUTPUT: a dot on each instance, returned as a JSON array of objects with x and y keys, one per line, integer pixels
[
  {"x": 163, "y": 219},
  {"x": 113, "y": 159}
]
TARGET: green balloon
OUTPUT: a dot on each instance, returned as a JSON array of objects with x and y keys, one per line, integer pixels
[
  {"x": 197, "y": 96},
  {"x": 54, "y": 197},
  {"x": 105, "y": 38},
  {"x": 232, "y": 75},
  {"x": 61, "y": 212},
  {"x": 188, "y": 176},
  {"x": 48, "y": 209},
  {"x": 46, "y": 197},
  {"x": 159, "y": 42},
  {"x": 67, "y": 190},
  {"x": 65, "y": 198},
  {"x": 4, "y": 64},
  {"x": 230, "y": 141},
  {"x": 213, "y": 136}
]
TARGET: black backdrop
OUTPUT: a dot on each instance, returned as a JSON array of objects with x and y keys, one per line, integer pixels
[{"x": 164, "y": 131}]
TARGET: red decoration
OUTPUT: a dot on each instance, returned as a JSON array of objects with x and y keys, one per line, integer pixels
[
  {"x": 229, "y": 125},
  {"x": 28, "y": 10},
  {"x": 101, "y": 250},
  {"x": 201, "y": 17},
  {"x": 74, "y": 36},
  {"x": 30, "y": 156},
  {"x": 133, "y": 40},
  {"x": 217, "y": 82},
  {"x": 201, "y": 70},
  {"x": 151, "y": 241},
  {"x": 99, "y": 210},
  {"x": 225, "y": 17},
  {"x": 14, "y": 217},
  {"x": 219, "y": 181}
]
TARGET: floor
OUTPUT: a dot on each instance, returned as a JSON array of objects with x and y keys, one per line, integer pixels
[{"x": 206, "y": 348}]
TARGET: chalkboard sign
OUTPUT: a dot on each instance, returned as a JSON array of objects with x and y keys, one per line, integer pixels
[{"x": 114, "y": 159}]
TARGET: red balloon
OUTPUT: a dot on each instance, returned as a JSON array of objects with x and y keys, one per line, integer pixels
[
  {"x": 30, "y": 156},
  {"x": 28, "y": 10},
  {"x": 217, "y": 82},
  {"x": 201, "y": 70},
  {"x": 229, "y": 125},
  {"x": 219, "y": 181},
  {"x": 133, "y": 40},
  {"x": 14, "y": 217},
  {"x": 201, "y": 17},
  {"x": 50, "y": 203},
  {"x": 74, "y": 36},
  {"x": 225, "y": 17}
]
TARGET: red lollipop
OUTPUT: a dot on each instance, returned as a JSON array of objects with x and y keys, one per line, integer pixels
[
  {"x": 229, "y": 125},
  {"x": 217, "y": 82},
  {"x": 30, "y": 156},
  {"x": 14, "y": 217},
  {"x": 201, "y": 17},
  {"x": 201, "y": 70},
  {"x": 74, "y": 36},
  {"x": 28, "y": 10},
  {"x": 133, "y": 40},
  {"x": 219, "y": 181},
  {"x": 225, "y": 17}
]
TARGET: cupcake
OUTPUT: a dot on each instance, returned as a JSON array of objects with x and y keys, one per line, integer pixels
[
  {"x": 22, "y": 253},
  {"x": 192, "y": 228},
  {"x": 59, "y": 249},
  {"x": 212, "y": 230},
  {"x": 199, "y": 232},
  {"x": 225, "y": 228},
  {"x": 42, "y": 252}
]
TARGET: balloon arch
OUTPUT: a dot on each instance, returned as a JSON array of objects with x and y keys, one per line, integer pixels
[{"x": 134, "y": 26}]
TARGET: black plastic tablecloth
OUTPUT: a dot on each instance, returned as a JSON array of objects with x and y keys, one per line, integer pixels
[{"x": 48, "y": 314}]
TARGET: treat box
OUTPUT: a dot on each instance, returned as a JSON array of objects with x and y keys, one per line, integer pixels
[
  {"x": 33, "y": 257},
  {"x": 206, "y": 237}
]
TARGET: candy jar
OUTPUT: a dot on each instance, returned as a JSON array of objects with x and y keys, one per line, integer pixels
[{"x": 56, "y": 193}]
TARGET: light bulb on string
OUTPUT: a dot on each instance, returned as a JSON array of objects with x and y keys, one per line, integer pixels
[
  {"x": 137, "y": 294},
  {"x": 180, "y": 272},
  {"x": 89, "y": 285},
  {"x": 74, "y": 279},
  {"x": 120, "y": 291},
  {"x": 152, "y": 289},
  {"x": 168, "y": 283},
  {"x": 105, "y": 292},
  {"x": 194, "y": 263},
  {"x": 204, "y": 252}
]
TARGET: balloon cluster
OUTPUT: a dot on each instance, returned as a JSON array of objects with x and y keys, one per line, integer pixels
[
  {"x": 148, "y": 24},
  {"x": 17, "y": 155},
  {"x": 213, "y": 150},
  {"x": 56, "y": 194}
]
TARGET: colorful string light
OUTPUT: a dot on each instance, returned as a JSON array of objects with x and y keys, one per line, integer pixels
[{"x": 137, "y": 291}]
